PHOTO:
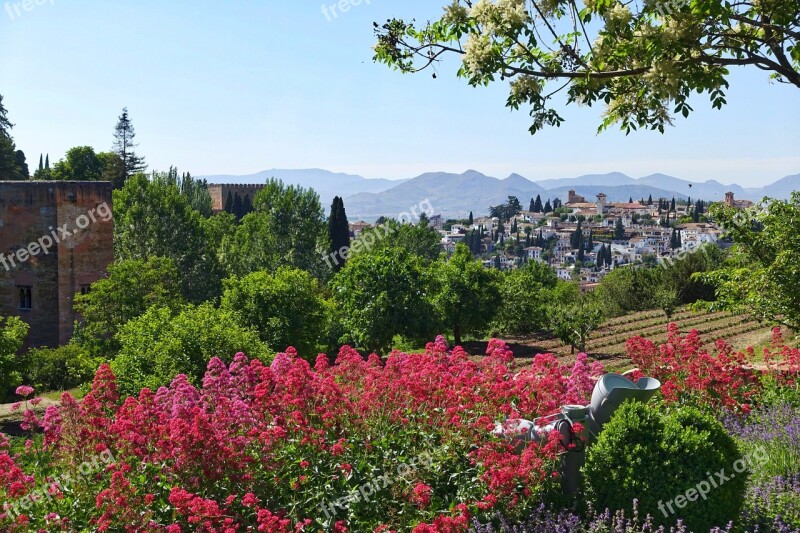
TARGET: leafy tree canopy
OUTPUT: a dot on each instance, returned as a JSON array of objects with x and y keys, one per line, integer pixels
[{"x": 641, "y": 59}]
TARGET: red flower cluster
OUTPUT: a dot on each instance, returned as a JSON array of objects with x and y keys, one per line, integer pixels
[
  {"x": 286, "y": 447},
  {"x": 724, "y": 378}
]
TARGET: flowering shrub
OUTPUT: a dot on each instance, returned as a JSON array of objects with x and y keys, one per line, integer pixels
[
  {"x": 288, "y": 447},
  {"x": 691, "y": 375},
  {"x": 774, "y": 505}
]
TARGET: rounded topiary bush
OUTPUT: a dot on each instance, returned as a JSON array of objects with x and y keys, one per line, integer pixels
[{"x": 677, "y": 465}]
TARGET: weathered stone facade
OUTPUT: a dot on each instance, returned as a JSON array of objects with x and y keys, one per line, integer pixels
[
  {"x": 219, "y": 193},
  {"x": 56, "y": 239}
]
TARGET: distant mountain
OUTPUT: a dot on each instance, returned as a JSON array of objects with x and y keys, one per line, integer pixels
[
  {"x": 709, "y": 190},
  {"x": 611, "y": 179},
  {"x": 452, "y": 195},
  {"x": 327, "y": 184},
  {"x": 455, "y": 195},
  {"x": 782, "y": 188}
]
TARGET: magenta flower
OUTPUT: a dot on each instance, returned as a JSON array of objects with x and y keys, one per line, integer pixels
[{"x": 24, "y": 391}]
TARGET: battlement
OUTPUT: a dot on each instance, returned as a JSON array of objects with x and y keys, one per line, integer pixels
[{"x": 219, "y": 192}]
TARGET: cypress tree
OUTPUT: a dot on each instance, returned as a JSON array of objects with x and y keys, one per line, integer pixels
[
  {"x": 547, "y": 207},
  {"x": 47, "y": 162},
  {"x": 237, "y": 206},
  {"x": 538, "y": 204},
  {"x": 471, "y": 220},
  {"x": 229, "y": 203},
  {"x": 338, "y": 231},
  {"x": 672, "y": 206},
  {"x": 532, "y": 206},
  {"x": 247, "y": 206},
  {"x": 41, "y": 162},
  {"x": 650, "y": 200}
]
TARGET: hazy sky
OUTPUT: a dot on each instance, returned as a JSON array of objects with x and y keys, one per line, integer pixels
[{"x": 242, "y": 86}]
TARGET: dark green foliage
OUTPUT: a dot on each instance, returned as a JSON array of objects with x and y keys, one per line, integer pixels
[
  {"x": 619, "y": 230},
  {"x": 384, "y": 293},
  {"x": 287, "y": 308},
  {"x": 466, "y": 295},
  {"x": 160, "y": 344},
  {"x": 5, "y": 124},
  {"x": 653, "y": 457},
  {"x": 12, "y": 334},
  {"x": 526, "y": 294},
  {"x": 131, "y": 288},
  {"x": 627, "y": 290},
  {"x": 58, "y": 369},
  {"x": 22, "y": 165},
  {"x": 156, "y": 219},
  {"x": 338, "y": 232}
]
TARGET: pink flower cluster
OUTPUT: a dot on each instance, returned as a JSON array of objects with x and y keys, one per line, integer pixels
[{"x": 261, "y": 448}]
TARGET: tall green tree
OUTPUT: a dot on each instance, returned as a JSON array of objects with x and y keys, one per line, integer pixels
[
  {"x": 22, "y": 165},
  {"x": 286, "y": 228},
  {"x": 12, "y": 161},
  {"x": 131, "y": 288},
  {"x": 338, "y": 232},
  {"x": 574, "y": 316},
  {"x": 155, "y": 219},
  {"x": 619, "y": 230},
  {"x": 467, "y": 295},
  {"x": 384, "y": 293},
  {"x": 627, "y": 290},
  {"x": 762, "y": 275},
  {"x": 641, "y": 60},
  {"x": 194, "y": 190},
  {"x": 5, "y": 124},
  {"x": 285, "y": 309},
  {"x": 526, "y": 294},
  {"x": 124, "y": 147},
  {"x": 80, "y": 164}
]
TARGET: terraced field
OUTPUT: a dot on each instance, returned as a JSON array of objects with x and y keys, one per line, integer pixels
[{"x": 608, "y": 342}]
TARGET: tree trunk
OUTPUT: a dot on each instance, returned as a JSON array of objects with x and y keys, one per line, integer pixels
[{"x": 457, "y": 334}]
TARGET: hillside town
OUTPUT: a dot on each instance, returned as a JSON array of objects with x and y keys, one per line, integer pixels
[{"x": 612, "y": 234}]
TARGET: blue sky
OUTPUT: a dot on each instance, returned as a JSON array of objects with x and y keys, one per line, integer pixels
[{"x": 242, "y": 86}]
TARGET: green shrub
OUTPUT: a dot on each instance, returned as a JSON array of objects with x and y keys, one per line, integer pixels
[
  {"x": 12, "y": 334},
  {"x": 659, "y": 459},
  {"x": 158, "y": 346},
  {"x": 63, "y": 368}
]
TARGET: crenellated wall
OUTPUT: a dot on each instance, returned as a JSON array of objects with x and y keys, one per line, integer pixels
[{"x": 219, "y": 193}]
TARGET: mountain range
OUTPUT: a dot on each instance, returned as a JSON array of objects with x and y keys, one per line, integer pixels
[{"x": 455, "y": 195}]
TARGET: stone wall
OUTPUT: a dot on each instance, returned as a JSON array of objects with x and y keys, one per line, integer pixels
[
  {"x": 67, "y": 230},
  {"x": 219, "y": 193}
]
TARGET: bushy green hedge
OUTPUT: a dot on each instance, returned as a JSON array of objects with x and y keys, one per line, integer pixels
[
  {"x": 62, "y": 368},
  {"x": 662, "y": 460}
]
